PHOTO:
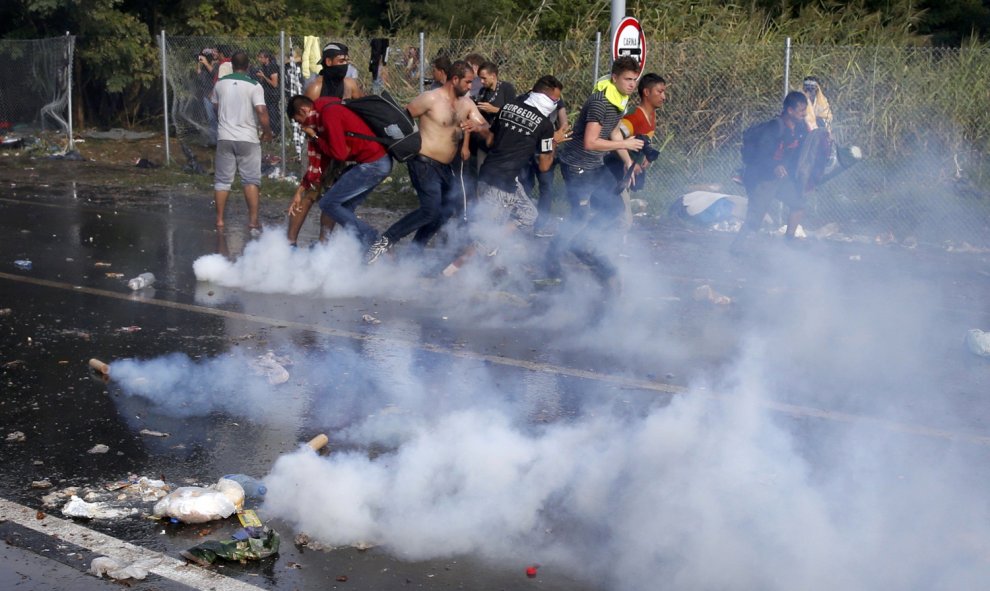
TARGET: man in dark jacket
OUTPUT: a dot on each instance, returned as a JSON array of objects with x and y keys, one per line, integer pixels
[{"x": 776, "y": 168}]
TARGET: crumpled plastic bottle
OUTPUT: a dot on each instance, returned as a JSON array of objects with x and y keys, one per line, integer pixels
[
  {"x": 254, "y": 488},
  {"x": 141, "y": 281}
]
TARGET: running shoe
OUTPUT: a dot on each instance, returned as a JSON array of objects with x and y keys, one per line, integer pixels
[{"x": 376, "y": 250}]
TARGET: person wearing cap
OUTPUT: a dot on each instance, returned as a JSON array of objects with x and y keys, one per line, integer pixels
[{"x": 338, "y": 76}]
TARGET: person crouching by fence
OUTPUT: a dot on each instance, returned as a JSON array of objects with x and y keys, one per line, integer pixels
[
  {"x": 333, "y": 129},
  {"x": 782, "y": 160}
]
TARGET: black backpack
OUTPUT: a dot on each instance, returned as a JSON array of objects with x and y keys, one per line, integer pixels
[
  {"x": 752, "y": 136},
  {"x": 392, "y": 125}
]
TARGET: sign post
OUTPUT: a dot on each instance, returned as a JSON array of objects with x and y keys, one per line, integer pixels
[{"x": 628, "y": 40}]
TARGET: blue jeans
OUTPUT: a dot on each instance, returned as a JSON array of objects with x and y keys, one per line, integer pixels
[
  {"x": 434, "y": 184},
  {"x": 350, "y": 190},
  {"x": 211, "y": 120}
]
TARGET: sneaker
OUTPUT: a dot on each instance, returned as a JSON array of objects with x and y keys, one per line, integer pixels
[{"x": 376, "y": 250}]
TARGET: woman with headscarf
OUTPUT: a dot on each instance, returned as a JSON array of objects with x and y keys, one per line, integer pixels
[{"x": 819, "y": 112}]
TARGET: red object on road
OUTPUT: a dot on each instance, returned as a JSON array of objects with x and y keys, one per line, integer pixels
[{"x": 531, "y": 571}]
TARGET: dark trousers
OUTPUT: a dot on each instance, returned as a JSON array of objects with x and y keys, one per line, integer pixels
[
  {"x": 584, "y": 232},
  {"x": 434, "y": 184},
  {"x": 531, "y": 177}
]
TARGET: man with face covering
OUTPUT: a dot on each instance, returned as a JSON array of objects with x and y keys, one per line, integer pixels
[
  {"x": 334, "y": 80},
  {"x": 336, "y": 77}
]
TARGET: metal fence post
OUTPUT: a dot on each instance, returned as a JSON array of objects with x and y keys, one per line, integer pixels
[
  {"x": 422, "y": 62},
  {"x": 68, "y": 77},
  {"x": 787, "y": 66},
  {"x": 168, "y": 154},
  {"x": 281, "y": 99},
  {"x": 598, "y": 54}
]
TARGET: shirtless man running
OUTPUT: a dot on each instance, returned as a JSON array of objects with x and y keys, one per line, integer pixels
[{"x": 445, "y": 115}]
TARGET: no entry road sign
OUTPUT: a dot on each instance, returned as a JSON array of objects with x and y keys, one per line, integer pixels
[{"x": 628, "y": 39}]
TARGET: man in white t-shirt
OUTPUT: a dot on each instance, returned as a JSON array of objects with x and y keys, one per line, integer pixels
[{"x": 241, "y": 110}]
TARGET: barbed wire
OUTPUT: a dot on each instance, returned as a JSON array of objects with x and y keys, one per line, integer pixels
[{"x": 34, "y": 94}]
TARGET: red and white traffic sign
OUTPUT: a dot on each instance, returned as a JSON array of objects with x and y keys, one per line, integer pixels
[{"x": 628, "y": 39}]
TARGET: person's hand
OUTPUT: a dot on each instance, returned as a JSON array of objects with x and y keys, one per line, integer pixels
[
  {"x": 562, "y": 135},
  {"x": 465, "y": 152},
  {"x": 266, "y": 135},
  {"x": 780, "y": 172},
  {"x": 296, "y": 206},
  {"x": 471, "y": 125},
  {"x": 632, "y": 143},
  {"x": 487, "y": 108}
]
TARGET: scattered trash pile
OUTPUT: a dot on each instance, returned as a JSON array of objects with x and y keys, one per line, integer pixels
[
  {"x": 189, "y": 504},
  {"x": 707, "y": 206}
]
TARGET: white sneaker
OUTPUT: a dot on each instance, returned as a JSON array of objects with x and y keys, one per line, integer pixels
[{"x": 376, "y": 250}]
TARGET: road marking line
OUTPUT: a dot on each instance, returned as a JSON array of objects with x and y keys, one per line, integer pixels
[
  {"x": 616, "y": 380},
  {"x": 125, "y": 552}
]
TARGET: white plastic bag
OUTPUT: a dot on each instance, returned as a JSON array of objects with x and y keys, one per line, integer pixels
[
  {"x": 104, "y": 565},
  {"x": 77, "y": 507},
  {"x": 196, "y": 504}
]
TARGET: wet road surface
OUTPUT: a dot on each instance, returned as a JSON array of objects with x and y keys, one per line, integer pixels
[{"x": 72, "y": 304}]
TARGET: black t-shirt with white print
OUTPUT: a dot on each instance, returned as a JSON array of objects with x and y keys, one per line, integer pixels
[{"x": 520, "y": 131}]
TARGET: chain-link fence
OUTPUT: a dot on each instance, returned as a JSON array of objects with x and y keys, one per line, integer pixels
[
  {"x": 918, "y": 114},
  {"x": 191, "y": 66},
  {"x": 37, "y": 81}
]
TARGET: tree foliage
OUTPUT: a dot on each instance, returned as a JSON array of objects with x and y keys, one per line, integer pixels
[{"x": 118, "y": 57}]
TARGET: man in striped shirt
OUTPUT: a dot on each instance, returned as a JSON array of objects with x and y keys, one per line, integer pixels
[{"x": 582, "y": 165}]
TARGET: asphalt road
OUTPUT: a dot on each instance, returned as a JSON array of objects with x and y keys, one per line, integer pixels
[{"x": 835, "y": 377}]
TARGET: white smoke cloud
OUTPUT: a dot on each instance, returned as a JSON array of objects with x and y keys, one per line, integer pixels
[{"x": 703, "y": 492}]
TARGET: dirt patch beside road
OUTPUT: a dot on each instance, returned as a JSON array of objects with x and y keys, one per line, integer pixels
[{"x": 112, "y": 164}]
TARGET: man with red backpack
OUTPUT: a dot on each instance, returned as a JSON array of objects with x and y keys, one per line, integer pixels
[{"x": 336, "y": 135}]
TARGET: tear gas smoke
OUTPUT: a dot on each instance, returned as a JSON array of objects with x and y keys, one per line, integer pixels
[{"x": 694, "y": 494}]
